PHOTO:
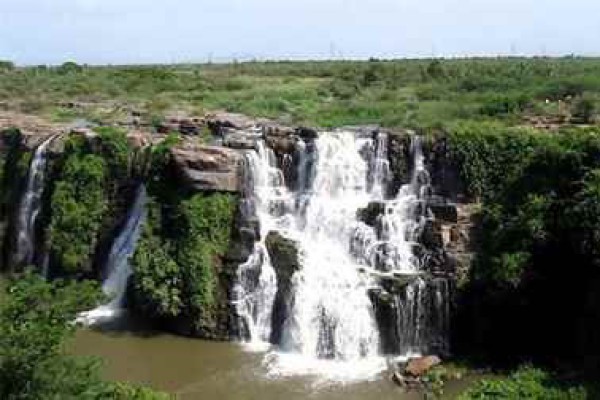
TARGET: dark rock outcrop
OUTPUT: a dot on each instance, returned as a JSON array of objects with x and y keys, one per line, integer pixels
[
  {"x": 444, "y": 171},
  {"x": 442, "y": 209},
  {"x": 371, "y": 213},
  {"x": 284, "y": 258},
  {"x": 399, "y": 157}
]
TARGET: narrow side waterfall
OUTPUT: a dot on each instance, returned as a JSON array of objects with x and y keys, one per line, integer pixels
[
  {"x": 30, "y": 205},
  {"x": 334, "y": 326},
  {"x": 117, "y": 268}
]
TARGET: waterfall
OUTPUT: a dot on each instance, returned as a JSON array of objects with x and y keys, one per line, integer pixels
[
  {"x": 265, "y": 200},
  {"x": 332, "y": 328},
  {"x": 30, "y": 205},
  {"x": 117, "y": 267}
]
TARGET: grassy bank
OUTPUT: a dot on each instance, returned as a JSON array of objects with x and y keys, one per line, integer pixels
[{"x": 405, "y": 93}]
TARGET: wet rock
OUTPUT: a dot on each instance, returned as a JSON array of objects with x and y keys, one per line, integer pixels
[
  {"x": 208, "y": 168},
  {"x": 284, "y": 258},
  {"x": 398, "y": 379},
  {"x": 271, "y": 128},
  {"x": 442, "y": 210},
  {"x": 307, "y": 133},
  {"x": 241, "y": 245},
  {"x": 399, "y": 158},
  {"x": 386, "y": 317},
  {"x": 420, "y": 366},
  {"x": 240, "y": 140},
  {"x": 431, "y": 236},
  {"x": 371, "y": 212},
  {"x": 281, "y": 144}
]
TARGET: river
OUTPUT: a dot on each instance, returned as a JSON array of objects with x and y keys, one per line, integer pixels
[{"x": 195, "y": 369}]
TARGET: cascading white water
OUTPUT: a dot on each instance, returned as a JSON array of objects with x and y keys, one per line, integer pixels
[
  {"x": 30, "y": 205},
  {"x": 266, "y": 199},
  {"x": 117, "y": 267},
  {"x": 331, "y": 328},
  {"x": 332, "y": 319}
]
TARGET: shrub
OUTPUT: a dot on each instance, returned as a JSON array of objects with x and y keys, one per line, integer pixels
[
  {"x": 77, "y": 208},
  {"x": 35, "y": 319},
  {"x": 526, "y": 383},
  {"x": 178, "y": 253},
  {"x": 538, "y": 236},
  {"x": 6, "y": 65},
  {"x": 584, "y": 109},
  {"x": 69, "y": 67}
]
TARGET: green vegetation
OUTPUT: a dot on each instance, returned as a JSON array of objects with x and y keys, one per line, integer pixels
[
  {"x": 182, "y": 242},
  {"x": 176, "y": 257},
  {"x": 538, "y": 250},
  {"x": 87, "y": 197},
  {"x": 6, "y": 66},
  {"x": 35, "y": 321},
  {"x": 526, "y": 383},
  {"x": 406, "y": 93},
  {"x": 78, "y": 206}
]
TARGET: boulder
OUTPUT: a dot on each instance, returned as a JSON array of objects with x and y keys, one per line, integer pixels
[
  {"x": 420, "y": 366},
  {"x": 180, "y": 123},
  {"x": 398, "y": 379},
  {"x": 240, "y": 140},
  {"x": 273, "y": 129},
  {"x": 281, "y": 144},
  {"x": 208, "y": 168},
  {"x": 307, "y": 133},
  {"x": 371, "y": 212},
  {"x": 284, "y": 258},
  {"x": 220, "y": 120}
]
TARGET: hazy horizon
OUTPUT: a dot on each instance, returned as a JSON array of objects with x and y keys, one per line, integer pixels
[{"x": 102, "y": 32}]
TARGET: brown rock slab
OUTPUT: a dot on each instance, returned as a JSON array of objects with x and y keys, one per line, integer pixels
[
  {"x": 419, "y": 366},
  {"x": 208, "y": 168}
]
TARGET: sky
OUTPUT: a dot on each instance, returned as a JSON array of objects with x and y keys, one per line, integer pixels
[{"x": 161, "y": 31}]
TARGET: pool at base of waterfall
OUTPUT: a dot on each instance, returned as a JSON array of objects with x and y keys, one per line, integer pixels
[{"x": 193, "y": 369}]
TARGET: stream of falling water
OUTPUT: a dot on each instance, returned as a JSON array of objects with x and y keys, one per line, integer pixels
[
  {"x": 331, "y": 329},
  {"x": 265, "y": 198},
  {"x": 117, "y": 266},
  {"x": 30, "y": 206}
]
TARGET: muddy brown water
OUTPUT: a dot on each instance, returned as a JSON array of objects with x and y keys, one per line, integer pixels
[{"x": 196, "y": 369}]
